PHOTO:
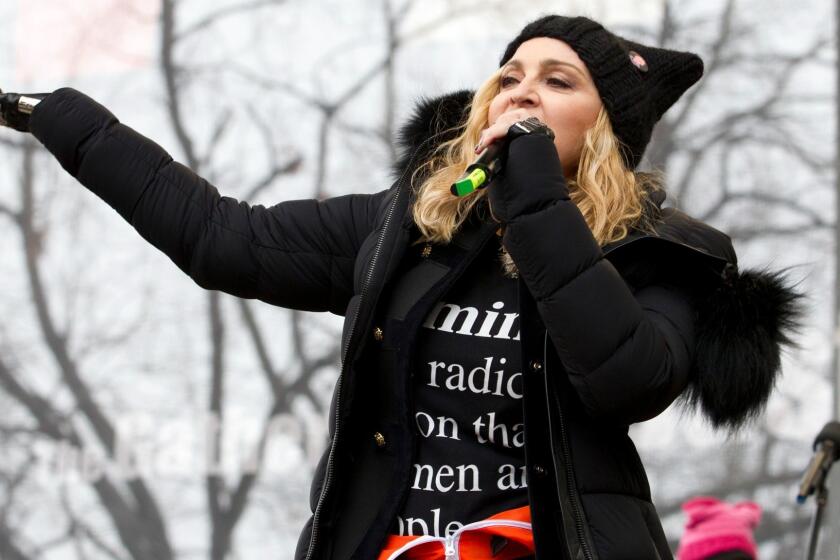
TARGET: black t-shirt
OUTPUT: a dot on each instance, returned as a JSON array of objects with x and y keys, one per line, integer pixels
[{"x": 467, "y": 389}]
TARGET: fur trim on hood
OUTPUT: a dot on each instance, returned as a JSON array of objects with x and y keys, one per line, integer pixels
[
  {"x": 433, "y": 117},
  {"x": 744, "y": 318}
]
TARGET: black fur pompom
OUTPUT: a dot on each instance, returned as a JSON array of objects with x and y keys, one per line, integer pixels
[{"x": 741, "y": 329}]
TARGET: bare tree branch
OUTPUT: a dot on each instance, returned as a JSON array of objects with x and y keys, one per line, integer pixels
[
  {"x": 750, "y": 233},
  {"x": 815, "y": 219},
  {"x": 730, "y": 486},
  {"x": 10, "y": 430},
  {"x": 12, "y": 484},
  {"x": 225, "y": 509},
  {"x": 228, "y": 11},
  {"x": 112, "y": 337},
  {"x": 130, "y": 528},
  {"x": 329, "y": 110},
  {"x": 170, "y": 79},
  {"x": 222, "y": 124},
  {"x": 9, "y": 213},
  {"x": 152, "y": 530},
  {"x": 9, "y": 549},
  {"x": 763, "y": 108},
  {"x": 711, "y": 66},
  {"x": 290, "y": 166},
  {"x": 215, "y": 483},
  {"x": 50, "y": 422},
  {"x": 84, "y": 531},
  {"x": 277, "y": 386},
  {"x": 447, "y": 18},
  {"x": 285, "y": 393},
  {"x": 786, "y": 140},
  {"x": 389, "y": 106},
  {"x": 273, "y": 84}
]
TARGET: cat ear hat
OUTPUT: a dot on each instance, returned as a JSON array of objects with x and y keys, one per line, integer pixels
[{"x": 637, "y": 83}]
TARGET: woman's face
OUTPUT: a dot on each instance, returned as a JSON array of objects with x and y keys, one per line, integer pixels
[{"x": 546, "y": 78}]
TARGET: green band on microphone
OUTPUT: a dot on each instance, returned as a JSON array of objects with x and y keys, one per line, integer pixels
[{"x": 468, "y": 183}]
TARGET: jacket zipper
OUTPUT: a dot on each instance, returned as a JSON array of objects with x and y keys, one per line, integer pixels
[
  {"x": 449, "y": 550},
  {"x": 450, "y": 542},
  {"x": 571, "y": 487},
  {"x": 333, "y": 446}
]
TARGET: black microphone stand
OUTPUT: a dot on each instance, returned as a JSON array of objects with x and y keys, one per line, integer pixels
[
  {"x": 821, "y": 495},
  {"x": 826, "y": 447}
]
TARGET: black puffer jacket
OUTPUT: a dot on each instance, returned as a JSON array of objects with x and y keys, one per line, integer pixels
[{"x": 610, "y": 335}]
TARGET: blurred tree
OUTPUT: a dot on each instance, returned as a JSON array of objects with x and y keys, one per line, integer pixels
[
  {"x": 130, "y": 521},
  {"x": 741, "y": 152}
]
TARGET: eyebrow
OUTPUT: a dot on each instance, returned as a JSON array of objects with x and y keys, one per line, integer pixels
[{"x": 545, "y": 63}]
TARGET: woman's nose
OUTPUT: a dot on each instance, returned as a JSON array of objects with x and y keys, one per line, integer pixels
[{"x": 524, "y": 95}]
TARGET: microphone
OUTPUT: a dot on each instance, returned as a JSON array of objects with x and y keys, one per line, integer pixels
[
  {"x": 15, "y": 109},
  {"x": 490, "y": 162},
  {"x": 482, "y": 171},
  {"x": 827, "y": 450}
]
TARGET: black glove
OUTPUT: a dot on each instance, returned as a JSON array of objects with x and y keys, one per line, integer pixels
[
  {"x": 533, "y": 176},
  {"x": 15, "y": 109}
]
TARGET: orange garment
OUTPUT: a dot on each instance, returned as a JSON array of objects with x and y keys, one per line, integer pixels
[{"x": 473, "y": 541}]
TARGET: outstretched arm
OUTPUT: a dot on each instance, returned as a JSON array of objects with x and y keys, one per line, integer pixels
[{"x": 297, "y": 254}]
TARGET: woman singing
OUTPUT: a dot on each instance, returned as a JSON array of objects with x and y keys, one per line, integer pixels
[{"x": 497, "y": 343}]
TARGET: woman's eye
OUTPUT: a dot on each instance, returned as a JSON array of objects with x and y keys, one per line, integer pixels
[
  {"x": 559, "y": 82},
  {"x": 508, "y": 80}
]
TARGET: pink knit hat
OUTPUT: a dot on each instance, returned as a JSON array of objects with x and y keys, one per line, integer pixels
[{"x": 714, "y": 527}]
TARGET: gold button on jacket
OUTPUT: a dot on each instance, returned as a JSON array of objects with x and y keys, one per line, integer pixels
[{"x": 380, "y": 439}]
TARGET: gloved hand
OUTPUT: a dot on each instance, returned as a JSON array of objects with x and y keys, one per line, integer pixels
[
  {"x": 15, "y": 109},
  {"x": 532, "y": 179}
]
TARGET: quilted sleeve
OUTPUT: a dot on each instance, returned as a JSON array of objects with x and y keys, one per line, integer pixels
[
  {"x": 297, "y": 254},
  {"x": 628, "y": 355}
]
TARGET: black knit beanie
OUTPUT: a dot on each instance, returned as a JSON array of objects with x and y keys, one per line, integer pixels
[{"x": 637, "y": 83}]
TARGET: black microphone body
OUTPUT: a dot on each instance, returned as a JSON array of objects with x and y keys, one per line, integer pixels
[
  {"x": 491, "y": 157},
  {"x": 482, "y": 171},
  {"x": 491, "y": 161}
]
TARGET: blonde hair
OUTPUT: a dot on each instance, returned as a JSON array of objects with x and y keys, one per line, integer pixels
[{"x": 610, "y": 196}]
